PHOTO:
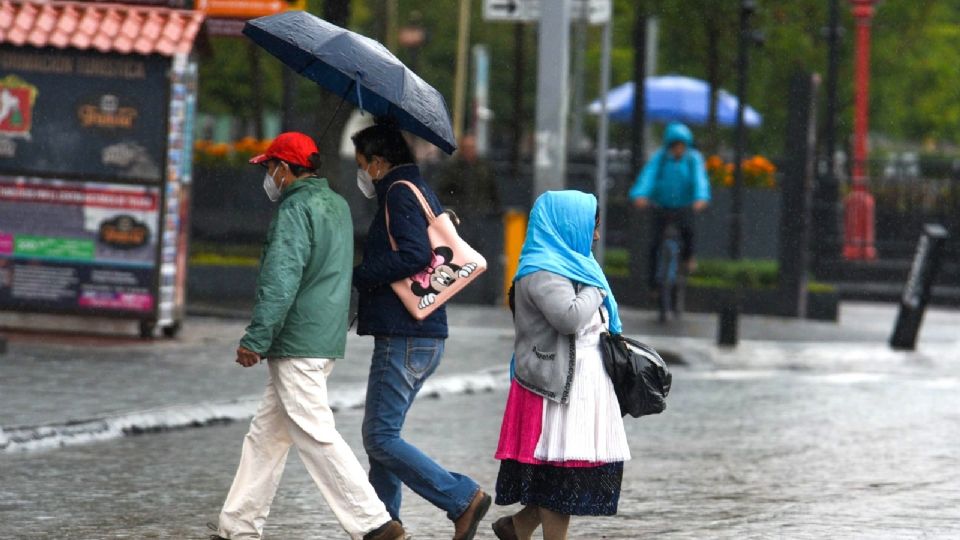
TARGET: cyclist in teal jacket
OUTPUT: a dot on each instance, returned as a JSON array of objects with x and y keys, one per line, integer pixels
[{"x": 674, "y": 183}]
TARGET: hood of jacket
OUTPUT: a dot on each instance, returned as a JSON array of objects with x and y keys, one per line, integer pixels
[{"x": 677, "y": 132}]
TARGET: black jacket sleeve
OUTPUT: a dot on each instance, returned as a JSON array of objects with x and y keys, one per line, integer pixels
[{"x": 408, "y": 225}]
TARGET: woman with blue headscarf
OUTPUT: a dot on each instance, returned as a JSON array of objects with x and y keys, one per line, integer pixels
[{"x": 562, "y": 442}]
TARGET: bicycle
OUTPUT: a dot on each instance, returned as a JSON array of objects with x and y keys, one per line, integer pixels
[{"x": 670, "y": 279}]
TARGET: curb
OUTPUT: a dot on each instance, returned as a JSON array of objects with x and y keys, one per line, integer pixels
[{"x": 207, "y": 310}]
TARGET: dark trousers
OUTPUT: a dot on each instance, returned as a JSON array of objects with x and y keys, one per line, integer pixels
[{"x": 682, "y": 220}]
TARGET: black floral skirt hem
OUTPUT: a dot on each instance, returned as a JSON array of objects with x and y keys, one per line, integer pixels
[{"x": 575, "y": 491}]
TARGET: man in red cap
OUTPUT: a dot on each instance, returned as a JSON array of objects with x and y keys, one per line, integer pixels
[{"x": 299, "y": 326}]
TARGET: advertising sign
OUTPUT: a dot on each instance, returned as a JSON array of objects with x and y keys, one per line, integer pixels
[
  {"x": 77, "y": 246},
  {"x": 175, "y": 4},
  {"x": 82, "y": 114},
  {"x": 17, "y": 99},
  {"x": 248, "y": 9},
  {"x": 175, "y": 225}
]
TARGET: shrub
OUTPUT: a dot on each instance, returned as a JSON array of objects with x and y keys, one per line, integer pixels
[
  {"x": 758, "y": 172},
  {"x": 235, "y": 153},
  {"x": 717, "y": 273}
]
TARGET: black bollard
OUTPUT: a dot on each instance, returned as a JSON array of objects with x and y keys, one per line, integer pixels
[
  {"x": 796, "y": 198},
  {"x": 916, "y": 292},
  {"x": 727, "y": 332}
]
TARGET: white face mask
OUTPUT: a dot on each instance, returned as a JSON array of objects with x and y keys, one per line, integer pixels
[
  {"x": 365, "y": 183},
  {"x": 270, "y": 186}
]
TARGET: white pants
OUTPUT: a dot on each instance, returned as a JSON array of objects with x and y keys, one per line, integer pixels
[{"x": 295, "y": 411}]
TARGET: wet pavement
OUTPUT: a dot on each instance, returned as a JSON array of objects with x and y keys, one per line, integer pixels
[{"x": 807, "y": 430}]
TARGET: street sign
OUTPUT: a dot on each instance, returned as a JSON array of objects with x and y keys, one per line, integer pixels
[
  {"x": 594, "y": 11},
  {"x": 511, "y": 10}
]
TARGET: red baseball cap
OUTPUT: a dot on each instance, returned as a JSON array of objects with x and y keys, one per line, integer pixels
[{"x": 293, "y": 147}]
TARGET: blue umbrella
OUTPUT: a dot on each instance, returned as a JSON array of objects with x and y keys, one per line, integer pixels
[
  {"x": 358, "y": 68},
  {"x": 675, "y": 98}
]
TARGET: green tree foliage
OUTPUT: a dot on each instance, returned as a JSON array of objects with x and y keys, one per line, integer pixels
[
  {"x": 914, "y": 59},
  {"x": 436, "y": 60},
  {"x": 225, "y": 76}
]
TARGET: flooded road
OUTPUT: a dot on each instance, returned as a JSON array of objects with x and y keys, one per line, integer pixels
[{"x": 773, "y": 440}]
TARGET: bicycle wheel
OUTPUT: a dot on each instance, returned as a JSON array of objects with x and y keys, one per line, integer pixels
[
  {"x": 670, "y": 261},
  {"x": 679, "y": 296},
  {"x": 665, "y": 301}
]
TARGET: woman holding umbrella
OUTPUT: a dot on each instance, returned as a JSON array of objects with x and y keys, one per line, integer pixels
[{"x": 406, "y": 351}]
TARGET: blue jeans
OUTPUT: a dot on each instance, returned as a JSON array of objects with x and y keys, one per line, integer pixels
[{"x": 400, "y": 367}]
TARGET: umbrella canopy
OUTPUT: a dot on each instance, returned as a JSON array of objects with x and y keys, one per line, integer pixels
[
  {"x": 358, "y": 68},
  {"x": 676, "y": 98}
]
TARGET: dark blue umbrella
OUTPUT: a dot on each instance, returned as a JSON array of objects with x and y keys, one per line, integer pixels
[{"x": 357, "y": 68}]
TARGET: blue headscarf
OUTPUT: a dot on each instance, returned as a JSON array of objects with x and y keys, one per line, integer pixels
[{"x": 559, "y": 240}]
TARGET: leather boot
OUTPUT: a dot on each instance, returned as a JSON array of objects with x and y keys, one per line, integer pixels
[
  {"x": 391, "y": 530},
  {"x": 465, "y": 526}
]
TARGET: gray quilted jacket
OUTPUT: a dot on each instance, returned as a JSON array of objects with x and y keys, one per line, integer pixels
[{"x": 549, "y": 311}]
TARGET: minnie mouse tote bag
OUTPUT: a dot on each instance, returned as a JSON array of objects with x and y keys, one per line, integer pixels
[{"x": 454, "y": 264}]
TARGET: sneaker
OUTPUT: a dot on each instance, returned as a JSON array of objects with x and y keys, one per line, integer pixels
[
  {"x": 465, "y": 526},
  {"x": 391, "y": 530}
]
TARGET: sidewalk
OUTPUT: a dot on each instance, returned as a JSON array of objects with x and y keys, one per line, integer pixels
[
  {"x": 859, "y": 322},
  {"x": 48, "y": 378}
]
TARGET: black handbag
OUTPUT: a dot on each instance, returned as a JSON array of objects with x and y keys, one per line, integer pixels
[{"x": 640, "y": 377}]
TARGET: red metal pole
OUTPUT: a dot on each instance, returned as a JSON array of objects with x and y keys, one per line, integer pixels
[
  {"x": 859, "y": 204},
  {"x": 862, "y": 13}
]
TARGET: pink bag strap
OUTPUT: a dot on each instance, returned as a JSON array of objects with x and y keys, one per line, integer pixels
[{"x": 427, "y": 211}]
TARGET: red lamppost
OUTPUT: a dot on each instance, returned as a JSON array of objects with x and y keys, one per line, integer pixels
[{"x": 859, "y": 204}]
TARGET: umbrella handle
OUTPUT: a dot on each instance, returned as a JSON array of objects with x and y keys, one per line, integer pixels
[{"x": 335, "y": 112}]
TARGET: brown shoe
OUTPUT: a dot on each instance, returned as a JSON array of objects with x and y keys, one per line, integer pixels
[
  {"x": 504, "y": 528},
  {"x": 215, "y": 529},
  {"x": 391, "y": 530},
  {"x": 465, "y": 526}
]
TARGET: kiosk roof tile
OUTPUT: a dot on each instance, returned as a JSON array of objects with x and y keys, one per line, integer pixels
[{"x": 100, "y": 26}]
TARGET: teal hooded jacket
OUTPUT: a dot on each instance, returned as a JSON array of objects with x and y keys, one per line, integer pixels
[
  {"x": 669, "y": 182},
  {"x": 303, "y": 290}
]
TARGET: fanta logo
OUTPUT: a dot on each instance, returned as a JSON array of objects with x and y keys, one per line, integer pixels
[
  {"x": 124, "y": 232},
  {"x": 107, "y": 114},
  {"x": 17, "y": 98}
]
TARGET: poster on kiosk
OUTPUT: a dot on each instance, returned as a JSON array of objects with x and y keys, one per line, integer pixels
[{"x": 94, "y": 183}]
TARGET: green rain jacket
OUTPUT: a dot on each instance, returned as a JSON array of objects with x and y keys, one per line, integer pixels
[{"x": 303, "y": 290}]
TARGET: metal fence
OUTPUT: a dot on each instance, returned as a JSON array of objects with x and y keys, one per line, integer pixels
[
  {"x": 516, "y": 190},
  {"x": 229, "y": 206},
  {"x": 910, "y": 192}
]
